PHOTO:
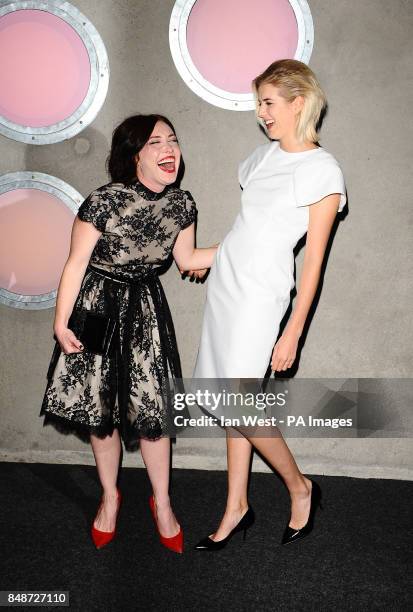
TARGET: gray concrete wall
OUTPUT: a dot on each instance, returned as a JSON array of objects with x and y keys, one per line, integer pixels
[{"x": 362, "y": 327}]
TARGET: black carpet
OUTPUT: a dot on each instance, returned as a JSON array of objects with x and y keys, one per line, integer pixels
[{"x": 356, "y": 558}]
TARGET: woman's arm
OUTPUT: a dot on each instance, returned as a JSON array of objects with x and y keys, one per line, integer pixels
[
  {"x": 321, "y": 219},
  {"x": 188, "y": 257},
  {"x": 83, "y": 240}
]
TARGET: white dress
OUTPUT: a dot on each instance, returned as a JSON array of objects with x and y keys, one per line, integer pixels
[{"x": 252, "y": 275}]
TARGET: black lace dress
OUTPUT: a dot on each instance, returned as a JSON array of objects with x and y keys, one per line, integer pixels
[{"x": 88, "y": 393}]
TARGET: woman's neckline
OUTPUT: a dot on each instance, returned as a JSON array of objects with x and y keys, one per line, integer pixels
[
  {"x": 148, "y": 193},
  {"x": 297, "y": 152}
]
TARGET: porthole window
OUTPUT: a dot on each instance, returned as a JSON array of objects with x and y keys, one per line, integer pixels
[
  {"x": 54, "y": 71},
  {"x": 219, "y": 47},
  {"x": 36, "y": 217}
]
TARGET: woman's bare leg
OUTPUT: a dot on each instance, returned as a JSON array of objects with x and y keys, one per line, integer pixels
[
  {"x": 107, "y": 455},
  {"x": 278, "y": 455},
  {"x": 156, "y": 456},
  {"x": 238, "y": 457}
]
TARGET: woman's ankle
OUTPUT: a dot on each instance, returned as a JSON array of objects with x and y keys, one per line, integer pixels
[
  {"x": 236, "y": 507},
  {"x": 162, "y": 502},
  {"x": 110, "y": 495},
  {"x": 301, "y": 487}
]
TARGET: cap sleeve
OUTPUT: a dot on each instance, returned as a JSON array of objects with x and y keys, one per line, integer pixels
[
  {"x": 317, "y": 179},
  {"x": 94, "y": 211},
  {"x": 189, "y": 212}
]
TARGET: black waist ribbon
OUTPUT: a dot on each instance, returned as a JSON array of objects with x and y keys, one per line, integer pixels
[{"x": 168, "y": 372}]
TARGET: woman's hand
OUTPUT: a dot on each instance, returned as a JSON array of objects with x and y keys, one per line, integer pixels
[
  {"x": 68, "y": 341},
  {"x": 284, "y": 353},
  {"x": 197, "y": 274}
]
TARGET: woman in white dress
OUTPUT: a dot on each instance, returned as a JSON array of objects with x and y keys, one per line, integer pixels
[{"x": 290, "y": 186}]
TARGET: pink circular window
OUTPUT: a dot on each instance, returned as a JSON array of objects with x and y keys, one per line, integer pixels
[
  {"x": 35, "y": 228},
  {"x": 231, "y": 42},
  {"x": 44, "y": 70},
  {"x": 219, "y": 47}
]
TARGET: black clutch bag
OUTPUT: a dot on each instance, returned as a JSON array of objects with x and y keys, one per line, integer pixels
[{"x": 95, "y": 331}]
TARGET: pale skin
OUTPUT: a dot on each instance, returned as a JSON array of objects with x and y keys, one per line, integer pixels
[
  {"x": 280, "y": 117},
  {"x": 157, "y": 166}
]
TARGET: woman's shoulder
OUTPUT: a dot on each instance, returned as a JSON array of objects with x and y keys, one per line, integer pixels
[
  {"x": 176, "y": 194},
  {"x": 111, "y": 196},
  {"x": 316, "y": 176},
  {"x": 102, "y": 203},
  {"x": 108, "y": 189},
  {"x": 251, "y": 163},
  {"x": 321, "y": 158},
  {"x": 181, "y": 207},
  {"x": 320, "y": 163},
  {"x": 259, "y": 152}
]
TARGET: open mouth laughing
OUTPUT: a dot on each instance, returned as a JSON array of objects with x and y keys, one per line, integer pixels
[{"x": 167, "y": 164}]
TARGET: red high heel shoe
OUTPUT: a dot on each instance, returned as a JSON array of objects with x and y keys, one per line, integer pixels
[
  {"x": 176, "y": 542},
  {"x": 101, "y": 538}
]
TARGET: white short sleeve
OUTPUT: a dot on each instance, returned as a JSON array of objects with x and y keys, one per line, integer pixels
[{"x": 317, "y": 178}]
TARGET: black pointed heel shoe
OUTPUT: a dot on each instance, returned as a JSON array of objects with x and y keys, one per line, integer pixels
[
  {"x": 245, "y": 523},
  {"x": 293, "y": 535}
]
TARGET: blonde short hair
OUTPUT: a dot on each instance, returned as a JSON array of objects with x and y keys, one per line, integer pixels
[{"x": 295, "y": 78}]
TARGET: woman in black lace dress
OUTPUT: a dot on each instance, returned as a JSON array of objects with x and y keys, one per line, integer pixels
[{"x": 122, "y": 236}]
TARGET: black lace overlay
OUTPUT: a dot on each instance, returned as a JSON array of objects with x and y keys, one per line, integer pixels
[{"x": 130, "y": 389}]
